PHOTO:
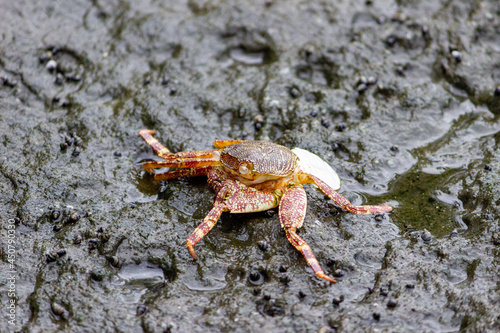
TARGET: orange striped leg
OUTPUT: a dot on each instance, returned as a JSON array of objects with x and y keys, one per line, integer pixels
[
  {"x": 292, "y": 212},
  {"x": 205, "y": 226},
  {"x": 162, "y": 151},
  {"x": 182, "y": 163},
  {"x": 344, "y": 203},
  {"x": 225, "y": 143},
  {"x": 203, "y": 171}
]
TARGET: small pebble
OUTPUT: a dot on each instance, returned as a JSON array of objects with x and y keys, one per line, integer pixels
[
  {"x": 392, "y": 303},
  {"x": 68, "y": 139},
  {"x": 341, "y": 127},
  {"x": 255, "y": 278},
  {"x": 141, "y": 309},
  {"x": 426, "y": 235},
  {"x": 457, "y": 55},
  {"x": 338, "y": 273},
  {"x": 303, "y": 128},
  {"x": 361, "y": 88},
  {"x": 59, "y": 310},
  {"x": 497, "y": 91},
  {"x": 8, "y": 82},
  {"x": 55, "y": 214},
  {"x": 117, "y": 153},
  {"x": 51, "y": 256},
  {"x": 285, "y": 279},
  {"x": 425, "y": 31},
  {"x": 59, "y": 79},
  {"x": 51, "y": 65},
  {"x": 372, "y": 80},
  {"x": 325, "y": 122},
  {"x": 258, "y": 118},
  {"x": 44, "y": 57},
  {"x": 242, "y": 112},
  {"x": 376, "y": 316},
  {"x": 330, "y": 262},
  {"x": 400, "y": 71},
  {"x": 105, "y": 237},
  {"x": 77, "y": 239},
  {"x": 295, "y": 92},
  {"x": 362, "y": 80},
  {"x": 114, "y": 261},
  {"x": 263, "y": 246},
  {"x": 78, "y": 141},
  {"x": 338, "y": 300},
  {"x": 76, "y": 152},
  {"x": 73, "y": 77},
  {"x": 74, "y": 217},
  {"x": 454, "y": 233},
  {"x": 165, "y": 81},
  {"x": 390, "y": 41}
]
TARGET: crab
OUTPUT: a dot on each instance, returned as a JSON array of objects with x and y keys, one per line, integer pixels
[{"x": 254, "y": 176}]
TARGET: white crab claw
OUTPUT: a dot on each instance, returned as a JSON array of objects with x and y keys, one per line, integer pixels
[{"x": 312, "y": 164}]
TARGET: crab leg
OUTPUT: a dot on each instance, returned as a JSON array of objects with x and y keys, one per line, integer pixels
[
  {"x": 236, "y": 198},
  {"x": 161, "y": 150},
  {"x": 344, "y": 203},
  {"x": 182, "y": 163},
  {"x": 193, "y": 172},
  {"x": 292, "y": 212},
  {"x": 203, "y": 229},
  {"x": 225, "y": 143}
]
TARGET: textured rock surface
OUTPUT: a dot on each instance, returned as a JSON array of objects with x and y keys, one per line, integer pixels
[{"x": 400, "y": 97}]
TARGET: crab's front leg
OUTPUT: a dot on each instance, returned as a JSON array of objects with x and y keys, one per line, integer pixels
[
  {"x": 344, "y": 203},
  {"x": 292, "y": 212},
  {"x": 235, "y": 198}
]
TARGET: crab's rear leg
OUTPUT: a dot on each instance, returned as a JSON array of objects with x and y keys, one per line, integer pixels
[
  {"x": 344, "y": 203},
  {"x": 292, "y": 212}
]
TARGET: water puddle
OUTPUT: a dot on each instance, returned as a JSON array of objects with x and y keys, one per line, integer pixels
[
  {"x": 214, "y": 278},
  {"x": 134, "y": 281},
  {"x": 143, "y": 274}
]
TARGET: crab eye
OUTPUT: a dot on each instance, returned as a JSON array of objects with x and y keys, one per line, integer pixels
[
  {"x": 243, "y": 169},
  {"x": 216, "y": 155}
]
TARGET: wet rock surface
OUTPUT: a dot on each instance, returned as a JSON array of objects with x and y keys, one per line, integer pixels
[{"x": 400, "y": 97}]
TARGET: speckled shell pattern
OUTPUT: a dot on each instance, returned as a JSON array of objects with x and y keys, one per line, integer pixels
[{"x": 282, "y": 163}]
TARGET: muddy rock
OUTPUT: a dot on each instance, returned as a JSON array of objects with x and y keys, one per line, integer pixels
[{"x": 401, "y": 98}]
